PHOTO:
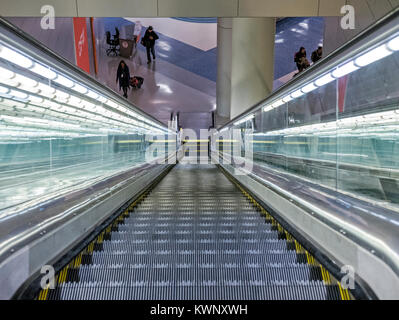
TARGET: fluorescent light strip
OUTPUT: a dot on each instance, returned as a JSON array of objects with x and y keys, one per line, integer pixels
[
  {"x": 25, "y": 81},
  {"x": 79, "y": 88},
  {"x": 18, "y": 94},
  {"x": 394, "y": 44},
  {"x": 373, "y": 56},
  {"x": 267, "y": 108},
  {"x": 112, "y": 104},
  {"x": 61, "y": 109},
  {"x": 322, "y": 81},
  {"x": 45, "y": 88},
  {"x": 343, "y": 125},
  {"x": 309, "y": 88},
  {"x": 297, "y": 94},
  {"x": 345, "y": 70},
  {"x": 250, "y": 117},
  {"x": 287, "y": 99},
  {"x": 43, "y": 71},
  {"x": 6, "y": 74},
  {"x": 4, "y": 89},
  {"x": 62, "y": 95},
  {"x": 29, "y": 89},
  {"x": 64, "y": 81},
  {"x": 102, "y": 99},
  {"x": 92, "y": 95},
  {"x": 35, "y": 99},
  {"x": 277, "y": 103},
  {"x": 15, "y": 57}
]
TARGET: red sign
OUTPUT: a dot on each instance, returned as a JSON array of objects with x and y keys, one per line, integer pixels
[
  {"x": 81, "y": 44},
  {"x": 342, "y": 86}
]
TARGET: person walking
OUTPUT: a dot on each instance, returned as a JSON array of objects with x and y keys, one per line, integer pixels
[
  {"x": 149, "y": 39},
  {"x": 123, "y": 76}
]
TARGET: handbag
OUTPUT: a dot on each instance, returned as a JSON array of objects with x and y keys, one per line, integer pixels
[{"x": 143, "y": 42}]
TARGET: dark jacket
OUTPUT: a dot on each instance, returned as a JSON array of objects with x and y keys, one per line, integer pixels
[
  {"x": 123, "y": 76},
  {"x": 148, "y": 41},
  {"x": 316, "y": 56}
]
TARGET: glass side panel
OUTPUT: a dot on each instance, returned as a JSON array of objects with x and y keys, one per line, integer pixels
[
  {"x": 370, "y": 108},
  {"x": 340, "y": 129}
]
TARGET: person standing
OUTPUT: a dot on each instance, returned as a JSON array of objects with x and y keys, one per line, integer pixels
[
  {"x": 300, "y": 59},
  {"x": 123, "y": 76},
  {"x": 317, "y": 54},
  {"x": 149, "y": 39}
]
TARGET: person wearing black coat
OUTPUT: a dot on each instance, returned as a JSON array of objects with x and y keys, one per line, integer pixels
[
  {"x": 300, "y": 59},
  {"x": 149, "y": 39},
  {"x": 123, "y": 76},
  {"x": 317, "y": 54}
]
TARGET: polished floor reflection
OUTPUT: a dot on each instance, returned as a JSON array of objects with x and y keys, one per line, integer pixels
[{"x": 182, "y": 78}]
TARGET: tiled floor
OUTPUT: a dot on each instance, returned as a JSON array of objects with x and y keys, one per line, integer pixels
[
  {"x": 291, "y": 34},
  {"x": 180, "y": 53},
  {"x": 196, "y": 32},
  {"x": 177, "y": 81}
]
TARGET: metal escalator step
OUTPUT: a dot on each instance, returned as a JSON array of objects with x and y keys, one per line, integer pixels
[
  {"x": 170, "y": 233},
  {"x": 194, "y": 236},
  {"x": 182, "y": 291},
  {"x": 201, "y": 272},
  {"x": 267, "y": 245},
  {"x": 121, "y": 257}
]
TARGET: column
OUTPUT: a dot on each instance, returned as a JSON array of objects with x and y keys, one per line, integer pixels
[{"x": 245, "y": 63}]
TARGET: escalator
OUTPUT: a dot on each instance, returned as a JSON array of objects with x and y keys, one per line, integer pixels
[
  {"x": 79, "y": 162},
  {"x": 196, "y": 235}
]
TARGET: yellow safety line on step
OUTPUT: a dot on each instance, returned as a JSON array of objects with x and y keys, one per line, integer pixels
[
  {"x": 341, "y": 291},
  {"x": 63, "y": 275},
  {"x": 326, "y": 275},
  {"x": 43, "y": 294},
  {"x": 76, "y": 262},
  {"x": 100, "y": 238},
  {"x": 298, "y": 247}
]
